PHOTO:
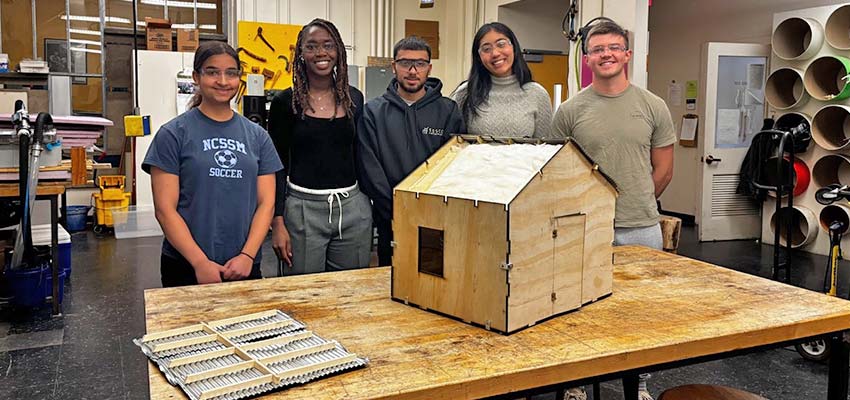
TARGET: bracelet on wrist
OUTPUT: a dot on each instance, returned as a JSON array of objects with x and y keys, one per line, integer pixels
[{"x": 246, "y": 255}]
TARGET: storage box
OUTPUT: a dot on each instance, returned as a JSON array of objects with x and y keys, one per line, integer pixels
[
  {"x": 158, "y": 34},
  {"x": 503, "y": 235},
  {"x": 136, "y": 221},
  {"x": 41, "y": 237},
  {"x": 187, "y": 40}
]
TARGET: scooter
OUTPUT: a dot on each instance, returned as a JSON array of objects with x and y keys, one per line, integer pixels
[{"x": 819, "y": 350}]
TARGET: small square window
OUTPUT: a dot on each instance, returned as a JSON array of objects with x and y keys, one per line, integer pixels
[{"x": 431, "y": 251}]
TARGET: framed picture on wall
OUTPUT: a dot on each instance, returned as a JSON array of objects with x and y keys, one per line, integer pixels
[{"x": 56, "y": 54}]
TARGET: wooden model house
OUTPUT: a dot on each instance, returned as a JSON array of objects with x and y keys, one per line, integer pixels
[{"x": 503, "y": 233}]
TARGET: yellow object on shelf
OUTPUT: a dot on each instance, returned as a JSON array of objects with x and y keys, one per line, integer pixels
[
  {"x": 111, "y": 198},
  {"x": 137, "y": 125}
]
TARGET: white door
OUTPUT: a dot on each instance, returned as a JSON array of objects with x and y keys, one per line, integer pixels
[{"x": 733, "y": 76}]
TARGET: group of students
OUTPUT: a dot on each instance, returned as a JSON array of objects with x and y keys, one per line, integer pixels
[{"x": 328, "y": 163}]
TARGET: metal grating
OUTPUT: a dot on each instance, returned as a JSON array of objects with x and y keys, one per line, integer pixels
[
  {"x": 725, "y": 202},
  {"x": 244, "y": 356}
]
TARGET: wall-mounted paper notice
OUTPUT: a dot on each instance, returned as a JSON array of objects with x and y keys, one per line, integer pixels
[
  {"x": 689, "y": 129},
  {"x": 674, "y": 94}
]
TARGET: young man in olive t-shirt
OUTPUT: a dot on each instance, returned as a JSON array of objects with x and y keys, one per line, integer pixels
[{"x": 627, "y": 130}]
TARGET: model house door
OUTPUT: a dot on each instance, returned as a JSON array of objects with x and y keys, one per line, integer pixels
[{"x": 733, "y": 75}]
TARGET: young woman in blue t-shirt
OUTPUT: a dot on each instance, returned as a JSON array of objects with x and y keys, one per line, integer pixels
[{"x": 213, "y": 180}]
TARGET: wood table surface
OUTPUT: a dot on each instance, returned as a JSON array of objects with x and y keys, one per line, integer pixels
[
  {"x": 664, "y": 308},
  {"x": 11, "y": 190}
]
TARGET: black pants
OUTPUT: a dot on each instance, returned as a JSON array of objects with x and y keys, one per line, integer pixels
[
  {"x": 178, "y": 272},
  {"x": 385, "y": 237}
]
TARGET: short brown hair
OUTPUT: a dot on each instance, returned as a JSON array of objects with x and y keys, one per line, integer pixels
[{"x": 605, "y": 27}]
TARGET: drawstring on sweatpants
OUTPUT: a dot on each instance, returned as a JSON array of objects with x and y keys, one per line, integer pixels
[{"x": 333, "y": 195}]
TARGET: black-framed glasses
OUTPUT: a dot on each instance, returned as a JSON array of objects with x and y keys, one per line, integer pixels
[
  {"x": 230, "y": 73},
  {"x": 406, "y": 64},
  {"x": 613, "y": 48},
  {"x": 500, "y": 44},
  {"x": 313, "y": 48}
]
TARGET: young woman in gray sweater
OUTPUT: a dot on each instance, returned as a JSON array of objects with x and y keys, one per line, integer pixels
[{"x": 500, "y": 98}]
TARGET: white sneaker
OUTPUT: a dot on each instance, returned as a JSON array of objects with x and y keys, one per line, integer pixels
[
  {"x": 643, "y": 392},
  {"x": 576, "y": 393}
]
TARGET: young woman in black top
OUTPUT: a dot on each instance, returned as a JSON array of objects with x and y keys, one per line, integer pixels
[{"x": 322, "y": 221}]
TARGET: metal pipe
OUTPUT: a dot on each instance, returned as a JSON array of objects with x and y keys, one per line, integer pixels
[
  {"x": 68, "y": 37},
  {"x": 103, "y": 80},
  {"x": 34, "y": 34}
]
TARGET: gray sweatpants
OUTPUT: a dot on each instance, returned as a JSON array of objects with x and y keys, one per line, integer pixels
[
  {"x": 320, "y": 245},
  {"x": 649, "y": 236}
]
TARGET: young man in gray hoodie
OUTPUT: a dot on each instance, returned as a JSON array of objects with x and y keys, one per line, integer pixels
[{"x": 400, "y": 130}]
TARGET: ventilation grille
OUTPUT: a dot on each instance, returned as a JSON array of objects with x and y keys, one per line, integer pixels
[{"x": 725, "y": 202}]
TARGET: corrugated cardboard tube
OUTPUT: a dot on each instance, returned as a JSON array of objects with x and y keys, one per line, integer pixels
[
  {"x": 831, "y": 127},
  {"x": 827, "y": 78},
  {"x": 838, "y": 28},
  {"x": 802, "y": 233},
  {"x": 832, "y": 213},
  {"x": 831, "y": 169},
  {"x": 785, "y": 89},
  {"x": 797, "y": 38}
]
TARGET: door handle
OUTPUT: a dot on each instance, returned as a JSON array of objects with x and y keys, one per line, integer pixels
[{"x": 710, "y": 159}]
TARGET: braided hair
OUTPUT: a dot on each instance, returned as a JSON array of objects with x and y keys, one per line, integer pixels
[{"x": 300, "y": 82}]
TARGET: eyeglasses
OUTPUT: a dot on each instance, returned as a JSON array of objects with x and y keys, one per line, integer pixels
[
  {"x": 230, "y": 73},
  {"x": 500, "y": 44},
  {"x": 406, "y": 64},
  {"x": 313, "y": 48},
  {"x": 613, "y": 48}
]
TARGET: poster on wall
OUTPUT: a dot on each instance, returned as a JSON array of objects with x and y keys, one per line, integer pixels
[
  {"x": 185, "y": 90},
  {"x": 56, "y": 55},
  {"x": 267, "y": 49}
]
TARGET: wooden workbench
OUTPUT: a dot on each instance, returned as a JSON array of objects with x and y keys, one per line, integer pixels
[{"x": 664, "y": 309}]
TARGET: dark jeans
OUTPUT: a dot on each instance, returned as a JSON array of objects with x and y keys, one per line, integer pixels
[
  {"x": 385, "y": 237},
  {"x": 178, "y": 272}
]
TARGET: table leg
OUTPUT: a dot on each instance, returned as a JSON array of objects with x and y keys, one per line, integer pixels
[
  {"x": 54, "y": 251},
  {"x": 64, "y": 218},
  {"x": 630, "y": 387},
  {"x": 597, "y": 393},
  {"x": 839, "y": 367}
]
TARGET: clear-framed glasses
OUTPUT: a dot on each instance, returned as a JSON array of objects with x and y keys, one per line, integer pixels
[
  {"x": 230, "y": 73},
  {"x": 313, "y": 48},
  {"x": 613, "y": 48},
  {"x": 500, "y": 44},
  {"x": 406, "y": 64}
]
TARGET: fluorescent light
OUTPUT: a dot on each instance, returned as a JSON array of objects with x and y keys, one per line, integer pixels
[
  {"x": 86, "y": 18},
  {"x": 88, "y": 42},
  {"x": 82, "y": 50},
  {"x": 208, "y": 27},
  {"x": 177, "y": 4},
  {"x": 84, "y": 32}
]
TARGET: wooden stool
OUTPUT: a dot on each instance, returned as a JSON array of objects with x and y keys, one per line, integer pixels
[
  {"x": 707, "y": 392},
  {"x": 671, "y": 229}
]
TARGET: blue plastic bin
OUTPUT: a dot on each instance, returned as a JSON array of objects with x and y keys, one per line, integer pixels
[
  {"x": 32, "y": 285},
  {"x": 76, "y": 218}
]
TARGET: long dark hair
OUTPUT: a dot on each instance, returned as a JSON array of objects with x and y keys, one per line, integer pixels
[
  {"x": 479, "y": 82},
  {"x": 300, "y": 82},
  {"x": 204, "y": 52}
]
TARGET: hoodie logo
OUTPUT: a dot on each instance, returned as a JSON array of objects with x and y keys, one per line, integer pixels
[{"x": 433, "y": 131}]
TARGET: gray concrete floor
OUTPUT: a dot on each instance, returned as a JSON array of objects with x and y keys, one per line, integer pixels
[{"x": 87, "y": 353}]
